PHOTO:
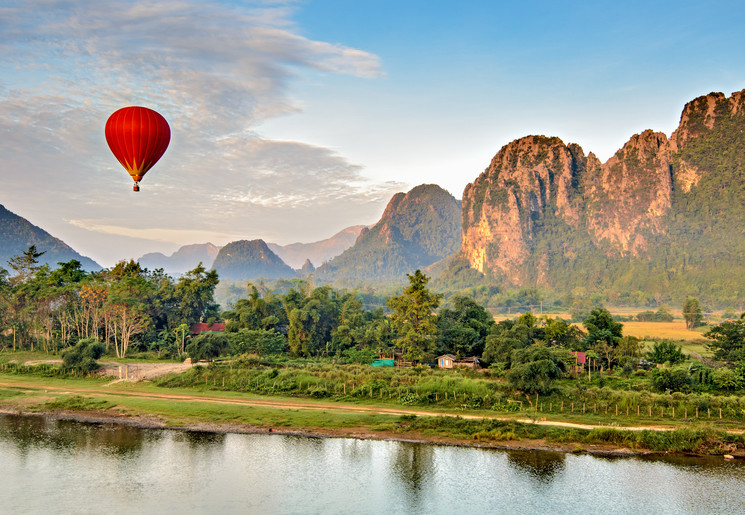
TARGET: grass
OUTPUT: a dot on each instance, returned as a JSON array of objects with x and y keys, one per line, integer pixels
[
  {"x": 662, "y": 330},
  {"x": 51, "y": 394}
]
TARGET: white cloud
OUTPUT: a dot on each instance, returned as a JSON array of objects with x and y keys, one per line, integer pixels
[{"x": 215, "y": 71}]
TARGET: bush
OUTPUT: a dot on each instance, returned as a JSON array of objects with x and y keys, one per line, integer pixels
[
  {"x": 673, "y": 380},
  {"x": 82, "y": 357},
  {"x": 207, "y": 346},
  {"x": 666, "y": 352}
]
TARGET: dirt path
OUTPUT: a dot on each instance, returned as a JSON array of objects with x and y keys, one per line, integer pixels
[{"x": 317, "y": 406}]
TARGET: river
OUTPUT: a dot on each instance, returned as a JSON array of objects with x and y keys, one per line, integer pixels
[{"x": 51, "y": 466}]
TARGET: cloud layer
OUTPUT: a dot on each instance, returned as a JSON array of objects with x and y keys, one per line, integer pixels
[{"x": 215, "y": 71}]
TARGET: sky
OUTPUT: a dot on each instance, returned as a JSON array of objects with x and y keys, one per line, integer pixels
[{"x": 291, "y": 120}]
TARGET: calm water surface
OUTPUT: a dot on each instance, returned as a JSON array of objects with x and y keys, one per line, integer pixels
[{"x": 49, "y": 466}]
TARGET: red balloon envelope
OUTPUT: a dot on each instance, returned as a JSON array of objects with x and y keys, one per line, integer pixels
[{"x": 138, "y": 137}]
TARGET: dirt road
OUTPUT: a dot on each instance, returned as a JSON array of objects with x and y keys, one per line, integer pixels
[{"x": 300, "y": 404}]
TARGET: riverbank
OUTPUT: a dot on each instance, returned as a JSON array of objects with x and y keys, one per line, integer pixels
[
  {"x": 360, "y": 433},
  {"x": 147, "y": 406}
]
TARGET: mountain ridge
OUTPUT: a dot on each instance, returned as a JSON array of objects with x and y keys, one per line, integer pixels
[{"x": 17, "y": 234}]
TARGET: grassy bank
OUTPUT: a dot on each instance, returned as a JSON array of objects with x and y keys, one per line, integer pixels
[{"x": 203, "y": 408}]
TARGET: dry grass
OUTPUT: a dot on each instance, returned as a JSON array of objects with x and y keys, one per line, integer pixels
[{"x": 668, "y": 330}]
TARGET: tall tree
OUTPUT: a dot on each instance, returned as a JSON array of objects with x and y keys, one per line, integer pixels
[
  {"x": 414, "y": 318},
  {"x": 692, "y": 313},
  {"x": 194, "y": 294}
]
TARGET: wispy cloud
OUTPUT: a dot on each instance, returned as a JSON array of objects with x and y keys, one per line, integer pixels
[{"x": 215, "y": 71}]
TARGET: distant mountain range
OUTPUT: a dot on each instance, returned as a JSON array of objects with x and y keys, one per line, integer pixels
[
  {"x": 184, "y": 259},
  {"x": 17, "y": 234},
  {"x": 295, "y": 254},
  {"x": 660, "y": 220}
]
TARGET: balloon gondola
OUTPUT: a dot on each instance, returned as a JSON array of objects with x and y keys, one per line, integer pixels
[{"x": 138, "y": 137}]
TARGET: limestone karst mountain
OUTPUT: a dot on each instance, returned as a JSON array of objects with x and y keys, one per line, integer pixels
[
  {"x": 416, "y": 229},
  {"x": 240, "y": 260},
  {"x": 663, "y": 215}
]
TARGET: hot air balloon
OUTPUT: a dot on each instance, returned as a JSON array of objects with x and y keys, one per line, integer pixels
[{"x": 138, "y": 137}]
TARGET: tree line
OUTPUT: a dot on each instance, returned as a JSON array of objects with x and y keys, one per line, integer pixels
[{"x": 129, "y": 308}]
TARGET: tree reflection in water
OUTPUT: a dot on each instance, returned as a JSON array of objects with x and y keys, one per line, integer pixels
[
  {"x": 413, "y": 464},
  {"x": 201, "y": 439},
  {"x": 542, "y": 465},
  {"x": 43, "y": 432}
]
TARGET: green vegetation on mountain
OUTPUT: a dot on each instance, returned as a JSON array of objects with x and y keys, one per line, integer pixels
[
  {"x": 17, "y": 234},
  {"x": 416, "y": 229},
  {"x": 657, "y": 223},
  {"x": 240, "y": 260}
]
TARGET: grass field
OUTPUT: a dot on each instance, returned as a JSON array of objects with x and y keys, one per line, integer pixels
[{"x": 668, "y": 330}]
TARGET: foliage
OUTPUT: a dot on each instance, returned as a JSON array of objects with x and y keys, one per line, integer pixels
[
  {"x": 83, "y": 355},
  {"x": 666, "y": 352},
  {"x": 661, "y": 315},
  {"x": 692, "y": 313},
  {"x": 207, "y": 347},
  {"x": 462, "y": 329},
  {"x": 414, "y": 319},
  {"x": 535, "y": 369},
  {"x": 671, "y": 380},
  {"x": 728, "y": 340},
  {"x": 256, "y": 341}
]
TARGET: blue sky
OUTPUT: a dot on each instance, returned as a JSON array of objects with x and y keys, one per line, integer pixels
[{"x": 293, "y": 120}]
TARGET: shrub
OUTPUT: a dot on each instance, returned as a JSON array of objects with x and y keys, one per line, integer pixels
[
  {"x": 82, "y": 357},
  {"x": 671, "y": 379},
  {"x": 666, "y": 352}
]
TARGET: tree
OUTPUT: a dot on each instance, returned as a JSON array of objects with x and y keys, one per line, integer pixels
[
  {"x": 194, "y": 294},
  {"x": 25, "y": 265},
  {"x": 462, "y": 329},
  {"x": 207, "y": 347},
  {"x": 692, "y": 313},
  {"x": 535, "y": 369},
  {"x": 414, "y": 318},
  {"x": 666, "y": 352},
  {"x": 728, "y": 340},
  {"x": 603, "y": 333}
]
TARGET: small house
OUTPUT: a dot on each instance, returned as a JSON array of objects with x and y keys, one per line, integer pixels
[
  {"x": 470, "y": 362},
  {"x": 446, "y": 361}
]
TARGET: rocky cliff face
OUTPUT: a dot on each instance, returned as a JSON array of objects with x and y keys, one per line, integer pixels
[
  {"x": 528, "y": 179},
  {"x": 542, "y": 203}
]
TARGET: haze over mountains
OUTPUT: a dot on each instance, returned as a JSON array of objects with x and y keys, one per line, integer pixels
[
  {"x": 17, "y": 234},
  {"x": 662, "y": 219}
]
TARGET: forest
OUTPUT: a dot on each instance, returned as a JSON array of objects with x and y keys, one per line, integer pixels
[{"x": 128, "y": 311}]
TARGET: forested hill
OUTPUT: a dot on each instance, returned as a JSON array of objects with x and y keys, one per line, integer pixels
[
  {"x": 662, "y": 219},
  {"x": 17, "y": 234},
  {"x": 416, "y": 229},
  {"x": 240, "y": 260}
]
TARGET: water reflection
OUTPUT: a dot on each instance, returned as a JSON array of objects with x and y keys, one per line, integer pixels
[
  {"x": 413, "y": 464},
  {"x": 199, "y": 439},
  {"x": 50, "y": 466},
  {"x": 41, "y": 432},
  {"x": 542, "y": 465}
]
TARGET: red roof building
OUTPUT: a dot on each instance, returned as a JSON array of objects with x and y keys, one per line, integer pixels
[
  {"x": 201, "y": 327},
  {"x": 581, "y": 357}
]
